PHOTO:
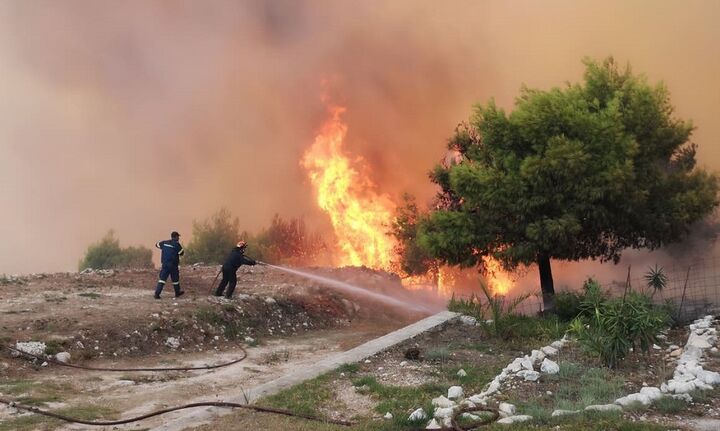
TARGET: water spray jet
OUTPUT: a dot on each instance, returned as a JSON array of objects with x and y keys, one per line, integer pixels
[{"x": 350, "y": 288}]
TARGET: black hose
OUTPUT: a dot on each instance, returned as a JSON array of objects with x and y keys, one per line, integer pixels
[
  {"x": 203, "y": 367},
  {"x": 172, "y": 409}
]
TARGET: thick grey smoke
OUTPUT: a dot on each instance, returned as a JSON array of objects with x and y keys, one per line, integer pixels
[{"x": 143, "y": 115}]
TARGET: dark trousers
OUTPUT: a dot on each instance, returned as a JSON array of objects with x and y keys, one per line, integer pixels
[
  {"x": 174, "y": 274},
  {"x": 229, "y": 279}
]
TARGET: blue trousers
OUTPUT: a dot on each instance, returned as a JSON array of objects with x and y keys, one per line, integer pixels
[{"x": 174, "y": 273}]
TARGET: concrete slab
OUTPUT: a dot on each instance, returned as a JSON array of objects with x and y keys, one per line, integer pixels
[
  {"x": 705, "y": 424},
  {"x": 195, "y": 417}
]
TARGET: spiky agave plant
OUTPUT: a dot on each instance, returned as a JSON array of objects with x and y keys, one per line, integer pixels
[{"x": 656, "y": 279}]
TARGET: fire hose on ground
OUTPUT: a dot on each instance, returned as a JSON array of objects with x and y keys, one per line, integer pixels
[
  {"x": 455, "y": 424},
  {"x": 158, "y": 412}
]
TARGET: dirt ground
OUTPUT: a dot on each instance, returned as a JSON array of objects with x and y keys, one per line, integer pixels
[{"x": 110, "y": 319}]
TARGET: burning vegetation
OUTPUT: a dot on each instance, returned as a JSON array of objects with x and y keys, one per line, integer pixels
[{"x": 367, "y": 223}]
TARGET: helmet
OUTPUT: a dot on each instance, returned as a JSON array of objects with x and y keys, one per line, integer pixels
[
  {"x": 174, "y": 234},
  {"x": 241, "y": 244}
]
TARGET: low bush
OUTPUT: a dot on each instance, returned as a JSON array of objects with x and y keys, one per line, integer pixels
[
  {"x": 567, "y": 305},
  {"x": 107, "y": 254},
  {"x": 609, "y": 327}
]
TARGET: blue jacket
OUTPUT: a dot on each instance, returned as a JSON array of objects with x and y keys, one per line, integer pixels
[{"x": 171, "y": 252}]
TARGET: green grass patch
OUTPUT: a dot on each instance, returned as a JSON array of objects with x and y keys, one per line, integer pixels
[
  {"x": 34, "y": 393},
  {"x": 91, "y": 295},
  {"x": 582, "y": 387},
  {"x": 670, "y": 405},
  {"x": 304, "y": 398},
  {"x": 352, "y": 368}
]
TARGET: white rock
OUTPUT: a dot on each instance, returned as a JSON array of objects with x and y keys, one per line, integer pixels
[
  {"x": 478, "y": 399},
  {"x": 604, "y": 408},
  {"x": 698, "y": 341},
  {"x": 470, "y": 416},
  {"x": 549, "y": 367},
  {"x": 270, "y": 300},
  {"x": 493, "y": 387},
  {"x": 63, "y": 357},
  {"x": 537, "y": 355},
  {"x": 36, "y": 348},
  {"x": 444, "y": 412},
  {"x": 515, "y": 365},
  {"x": 557, "y": 413},
  {"x": 549, "y": 350},
  {"x": 433, "y": 425},
  {"x": 652, "y": 393},
  {"x": 455, "y": 392},
  {"x": 514, "y": 419},
  {"x": 388, "y": 415},
  {"x": 468, "y": 404},
  {"x": 468, "y": 320},
  {"x": 708, "y": 377},
  {"x": 461, "y": 373},
  {"x": 656, "y": 347},
  {"x": 557, "y": 344},
  {"x": 44, "y": 364},
  {"x": 442, "y": 402},
  {"x": 506, "y": 410},
  {"x": 681, "y": 387},
  {"x": 417, "y": 415},
  {"x": 172, "y": 342},
  {"x": 632, "y": 399},
  {"x": 676, "y": 353},
  {"x": 532, "y": 376},
  {"x": 403, "y": 363},
  {"x": 527, "y": 363},
  {"x": 249, "y": 340},
  {"x": 714, "y": 350}
]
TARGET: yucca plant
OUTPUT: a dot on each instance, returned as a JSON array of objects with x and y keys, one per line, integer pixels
[{"x": 656, "y": 279}]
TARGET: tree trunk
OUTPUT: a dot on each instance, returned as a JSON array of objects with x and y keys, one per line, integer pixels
[{"x": 546, "y": 283}]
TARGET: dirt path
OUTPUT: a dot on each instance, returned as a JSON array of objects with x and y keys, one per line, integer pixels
[{"x": 141, "y": 392}]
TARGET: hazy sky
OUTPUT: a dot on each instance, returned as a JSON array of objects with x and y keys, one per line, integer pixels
[{"x": 144, "y": 115}]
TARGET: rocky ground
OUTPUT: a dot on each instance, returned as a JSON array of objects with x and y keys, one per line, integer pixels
[{"x": 110, "y": 319}]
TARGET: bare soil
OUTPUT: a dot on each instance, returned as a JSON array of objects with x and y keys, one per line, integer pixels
[{"x": 110, "y": 319}]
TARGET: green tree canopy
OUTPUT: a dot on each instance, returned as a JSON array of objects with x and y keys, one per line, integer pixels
[
  {"x": 572, "y": 173},
  {"x": 213, "y": 238}
]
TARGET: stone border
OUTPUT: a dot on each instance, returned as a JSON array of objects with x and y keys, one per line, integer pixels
[{"x": 522, "y": 367}]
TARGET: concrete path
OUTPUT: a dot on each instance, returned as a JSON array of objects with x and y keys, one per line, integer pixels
[{"x": 197, "y": 417}]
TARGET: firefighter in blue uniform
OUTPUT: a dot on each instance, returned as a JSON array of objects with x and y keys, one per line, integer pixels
[
  {"x": 170, "y": 258},
  {"x": 234, "y": 260}
]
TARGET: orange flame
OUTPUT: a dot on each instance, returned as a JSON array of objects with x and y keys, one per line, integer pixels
[
  {"x": 499, "y": 281},
  {"x": 359, "y": 215}
]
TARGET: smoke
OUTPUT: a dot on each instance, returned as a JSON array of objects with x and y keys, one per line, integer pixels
[{"x": 144, "y": 115}]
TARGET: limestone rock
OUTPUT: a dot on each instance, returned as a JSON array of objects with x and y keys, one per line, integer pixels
[
  {"x": 417, "y": 415},
  {"x": 468, "y": 320},
  {"x": 433, "y": 425},
  {"x": 455, "y": 392},
  {"x": 506, "y": 409},
  {"x": 388, "y": 415},
  {"x": 604, "y": 408},
  {"x": 514, "y": 419},
  {"x": 557, "y": 413},
  {"x": 549, "y": 367},
  {"x": 549, "y": 350},
  {"x": 63, "y": 357},
  {"x": 531, "y": 376},
  {"x": 442, "y": 402},
  {"x": 461, "y": 373}
]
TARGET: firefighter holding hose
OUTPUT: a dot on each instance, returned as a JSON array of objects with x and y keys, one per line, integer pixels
[{"x": 234, "y": 260}]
